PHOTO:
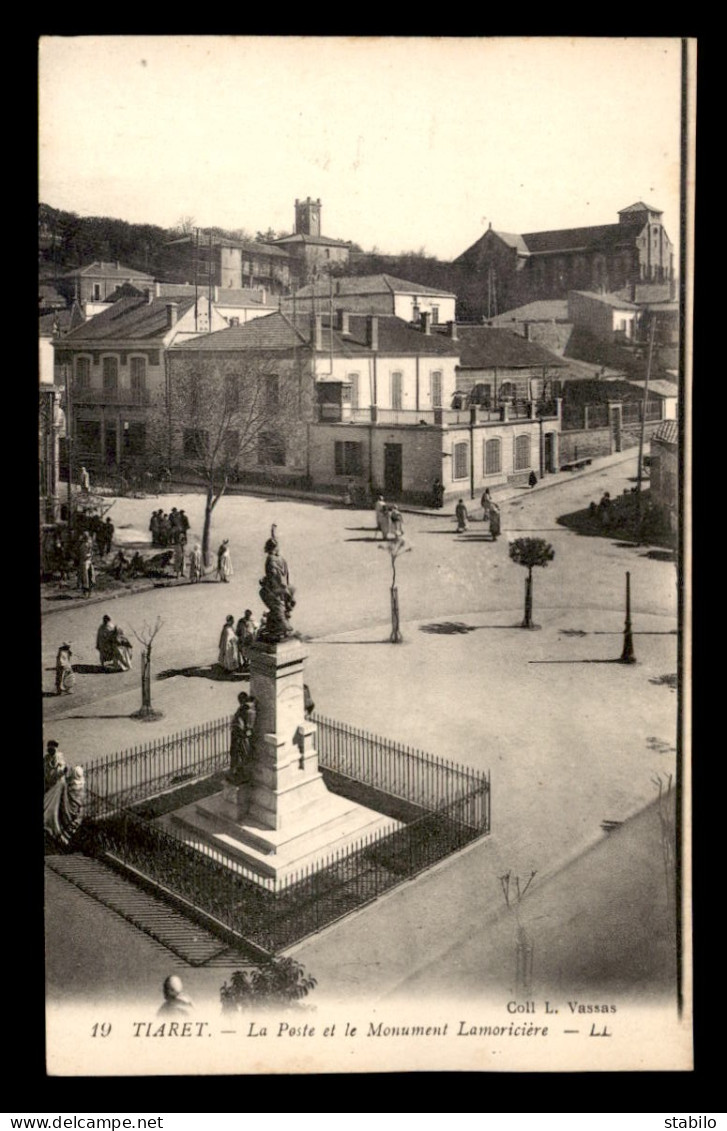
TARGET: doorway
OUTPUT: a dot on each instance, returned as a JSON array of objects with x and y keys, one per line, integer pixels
[
  {"x": 549, "y": 456},
  {"x": 392, "y": 469}
]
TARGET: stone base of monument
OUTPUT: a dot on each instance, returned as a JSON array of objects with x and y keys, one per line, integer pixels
[{"x": 285, "y": 820}]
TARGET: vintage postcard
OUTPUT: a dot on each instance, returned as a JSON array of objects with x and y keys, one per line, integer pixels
[{"x": 365, "y": 401}]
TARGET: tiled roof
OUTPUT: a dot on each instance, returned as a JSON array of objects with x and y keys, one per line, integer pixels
[
  {"x": 226, "y": 296},
  {"x": 324, "y": 241},
  {"x": 660, "y": 386},
  {"x": 543, "y": 310},
  {"x": 48, "y": 321},
  {"x": 571, "y": 239},
  {"x": 639, "y": 207},
  {"x": 367, "y": 285},
  {"x": 608, "y": 300},
  {"x": 252, "y": 247},
  {"x": 668, "y": 432},
  {"x": 101, "y": 270},
  {"x": 129, "y": 318},
  {"x": 280, "y": 332},
  {"x": 482, "y": 347}
]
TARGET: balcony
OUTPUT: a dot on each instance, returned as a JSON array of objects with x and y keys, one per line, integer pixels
[{"x": 124, "y": 396}]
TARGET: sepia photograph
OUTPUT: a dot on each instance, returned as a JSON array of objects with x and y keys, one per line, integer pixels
[{"x": 390, "y": 337}]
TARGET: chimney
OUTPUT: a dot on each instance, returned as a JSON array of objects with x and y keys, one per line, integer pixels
[
  {"x": 263, "y": 295},
  {"x": 172, "y": 311},
  {"x": 372, "y": 332},
  {"x": 426, "y": 322},
  {"x": 316, "y": 326},
  {"x": 118, "y": 265},
  {"x": 452, "y": 331},
  {"x": 157, "y": 290},
  {"x": 343, "y": 322},
  {"x": 526, "y": 329},
  {"x": 150, "y": 296}
]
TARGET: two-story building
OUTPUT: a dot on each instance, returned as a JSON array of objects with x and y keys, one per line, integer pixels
[
  {"x": 114, "y": 368},
  {"x": 605, "y": 317},
  {"x": 373, "y": 399},
  {"x": 374, "y": 294}
]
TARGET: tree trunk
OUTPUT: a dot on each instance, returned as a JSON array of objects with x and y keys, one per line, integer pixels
[
  {"x": 146, "y": 678},
  {"x": 528, "y": 621},
  {"x": 208, "y": 508}
]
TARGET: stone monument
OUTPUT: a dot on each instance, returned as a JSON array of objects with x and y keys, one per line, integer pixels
[{"x": 275, "y": 816}]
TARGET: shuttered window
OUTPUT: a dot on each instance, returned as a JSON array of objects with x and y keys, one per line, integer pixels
[
  {"x": 493, "y": 457},
  {"x": 460, "y": 461},
  {"x": 522, "y": 453}
]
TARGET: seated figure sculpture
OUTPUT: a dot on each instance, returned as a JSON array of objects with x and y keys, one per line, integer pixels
[{"x": 277, "y": 594}]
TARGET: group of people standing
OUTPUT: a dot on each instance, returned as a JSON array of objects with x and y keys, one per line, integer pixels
[
  {"x": 490, "y": 513},
  {"x": 113, "y": 646},
  {"x": 235, "y": 640},
  {"x": 168, "y": 529}
]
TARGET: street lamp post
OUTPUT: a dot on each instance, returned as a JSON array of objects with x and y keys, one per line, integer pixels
[{"x": 627, "y": 655}]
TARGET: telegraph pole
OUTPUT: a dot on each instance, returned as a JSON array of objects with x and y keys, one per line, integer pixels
[
  {"x": 69, "y": 443},
  {"x": 642, "y": 434}
]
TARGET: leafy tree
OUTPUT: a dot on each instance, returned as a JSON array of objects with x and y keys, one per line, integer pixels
[
  {"x": 279, "y": 981},
  {"x": 530, "y": 552}
]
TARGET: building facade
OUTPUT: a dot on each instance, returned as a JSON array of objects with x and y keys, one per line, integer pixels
[
  {"x": 97, "y": 281},
  {"x": 374, "y": 294},
  {"x": 515, "y": 269}
]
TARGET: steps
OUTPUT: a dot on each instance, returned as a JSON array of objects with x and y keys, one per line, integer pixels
[{"x": 185, "y": 938}]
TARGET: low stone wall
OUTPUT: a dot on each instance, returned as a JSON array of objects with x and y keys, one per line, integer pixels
[{"x": 580, "y": 443}]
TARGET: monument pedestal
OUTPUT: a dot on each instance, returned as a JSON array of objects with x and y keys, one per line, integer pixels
[{"x": 284, "y": 820}]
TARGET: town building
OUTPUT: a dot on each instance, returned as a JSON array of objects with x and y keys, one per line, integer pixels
[
  {"x": 371, "y": 400},
  {"x": 498, "y": 366},
  {"x": 374, "y": 294},
  {"x": 310, "y": 252},
  {"x": 115, "y": 368},
  {"x": 220, "y": 261},
  {"x": 98, "y": 280},
  {"x": 515, "y": 269},
  {"x": 605, "y": 317},
  {"x": 237, "y": 305}
]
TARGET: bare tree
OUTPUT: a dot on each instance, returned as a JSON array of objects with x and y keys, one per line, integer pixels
[
  {"x": 228, "y": 413},
  {"x": 146, "y": 638}
]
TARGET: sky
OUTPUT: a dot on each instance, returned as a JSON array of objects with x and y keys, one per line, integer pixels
[{"x": 409, "y": 143}]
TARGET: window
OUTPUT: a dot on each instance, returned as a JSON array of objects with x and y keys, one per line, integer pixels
[
  {"x": 96, "y": 292},
  {"x": 272, "y": 390},
  {"x": 435, "y": 315},
  {"x": 232, "y": 392},
  {"x": 507, "y": 391},
  {"x": 195, "y": 443},
  {"x": 83, "y": 372},
  {"x": 134, "y": 437},
  {"x": 138, "y": 375},
  {"x": 194, "y": 390},
  {"x": 522, "y": 453},
  {"x": 396, "y": 381},
  {"x": 348, "y": 457},
  {"x": 271, "y": 449},
  {"x": 354, "y": 379},
  {"x": 460, "y": 461},
  {"x": 493, "y": 457},
  {"x": 110, "y": 374},
  {"x": 436, "y": 388}
]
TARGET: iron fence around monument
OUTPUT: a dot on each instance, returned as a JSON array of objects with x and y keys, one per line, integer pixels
[
  {"x": 273, "y": 916},
  {"x": 440, "y": 807},
  {"x": 155, "y": 767}
]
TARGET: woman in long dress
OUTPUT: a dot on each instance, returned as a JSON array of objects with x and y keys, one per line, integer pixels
[
  {"x": 104, "y": 640},
  {"x": 228, "y": 656},
  {"x": 224, "y": 562},
  {"x": 494, "y": 521},
  {"x": 63, "y": 806},
  {"x": 122, "y": 647},
  {"x": 65, "y": 677}
]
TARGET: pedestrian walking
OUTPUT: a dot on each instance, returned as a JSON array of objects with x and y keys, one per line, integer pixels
[
  {"x": 228, "y": 655},
  {"x": 532, "y": 479},
  {"x": 85, "y": 481},
  {"x": 437, "y": 494},
  {"x": 195, "y": 564},
  {"x": 462, "y": 517},
  {"x": 104, "y": 640},
  {"x": 486, "y": 503},
  {"x": 108, "y": 536},
  {"x": 494, "y": 521},
  {"x": 179, "y": 557},
  {"x": 382, "y": 517},
  {"x": 224, "y": 562},
  {"x": 54, "y": 765},
  {"x": 121, "y": 650},
  {"x": 65, "y": 677}
]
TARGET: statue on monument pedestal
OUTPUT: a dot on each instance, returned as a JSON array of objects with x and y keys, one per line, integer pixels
[
  {"x": 242, "y": 754},
  {"x": 277, "y": 593}
]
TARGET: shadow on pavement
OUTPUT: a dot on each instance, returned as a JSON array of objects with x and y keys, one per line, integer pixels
[{"x": 211, "y": 671}]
